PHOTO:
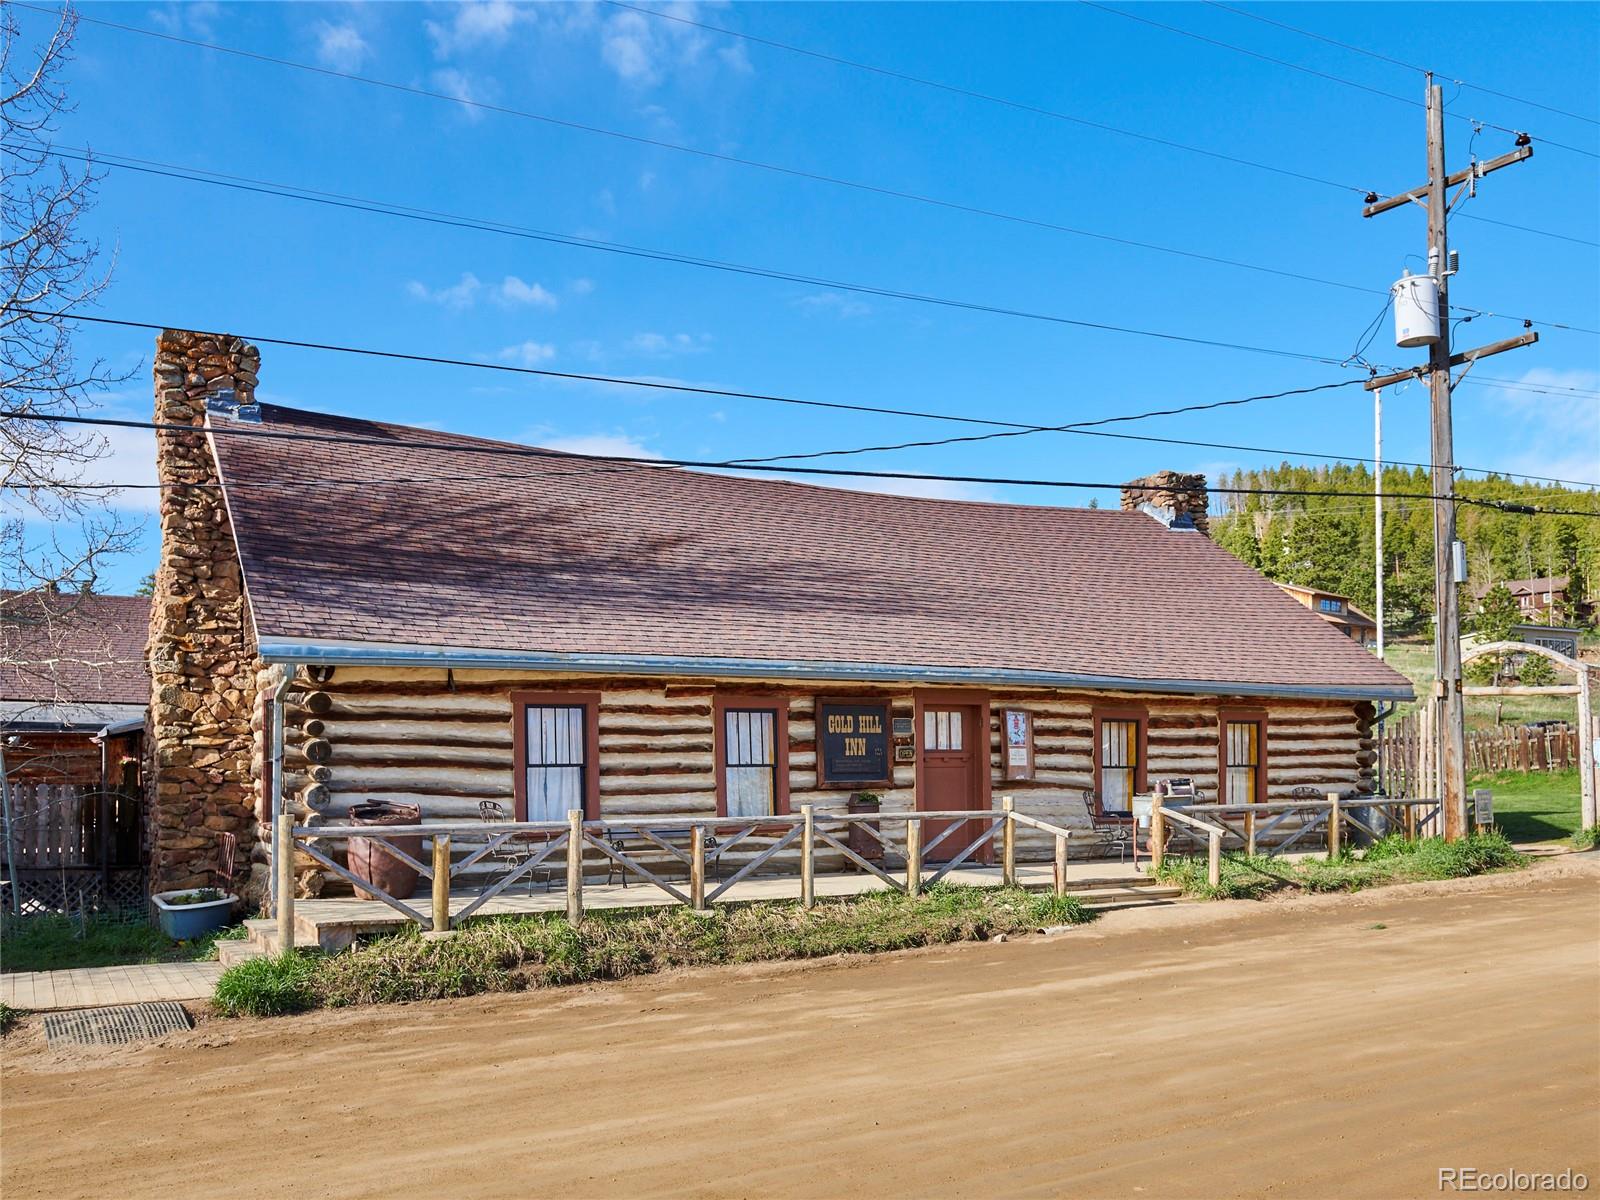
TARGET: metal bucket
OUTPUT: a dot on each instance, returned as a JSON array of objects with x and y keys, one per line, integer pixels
[{"x": 371, "y": 862}]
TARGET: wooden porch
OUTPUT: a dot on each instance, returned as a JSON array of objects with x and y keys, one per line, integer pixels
[{"x": 337, "y": 922}]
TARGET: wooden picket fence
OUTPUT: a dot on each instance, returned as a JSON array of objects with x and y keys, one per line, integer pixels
[
  {"x": 1519, "y": 749},
  {"x": 1512, "y": 748}
]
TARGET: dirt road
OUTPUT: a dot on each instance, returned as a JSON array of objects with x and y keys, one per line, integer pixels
[{"x": 1330, "y": 1047}]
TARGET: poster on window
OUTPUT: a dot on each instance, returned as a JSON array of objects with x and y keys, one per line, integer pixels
[
  {"x": 1017, "y": 726},
  {"x": 853, "y": 742}
]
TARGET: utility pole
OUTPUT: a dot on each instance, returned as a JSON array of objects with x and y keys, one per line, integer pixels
[
  {"x": 1448, "y": 700},
  {"x": 1377, "y": 504}
]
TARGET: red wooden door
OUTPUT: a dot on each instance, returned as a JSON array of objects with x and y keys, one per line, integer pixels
[{"x": 955, "y": 749}]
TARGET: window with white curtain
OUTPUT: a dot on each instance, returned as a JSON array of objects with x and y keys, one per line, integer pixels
[
  {"x": 557, "y": 760},
  {"x": 1242, "y": 747},
  {"x": 941, "y": 729},
  {"x": 751, "y": 761},
  {"x": 1119, "y": 765}
]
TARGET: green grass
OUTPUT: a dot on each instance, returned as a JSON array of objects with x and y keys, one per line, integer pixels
[
  {"x": 1540, "y": 806},
  {"x": 268, "y": 987},
  {"x": 503, "y": 954},
  {"x": 1585, "y": 839},
  {"x": 56, "y": 943},
  {"x": 1393, "y": 860}
]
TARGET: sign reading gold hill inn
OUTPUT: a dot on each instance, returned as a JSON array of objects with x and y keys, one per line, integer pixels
[{"x": 853, "y": 742}]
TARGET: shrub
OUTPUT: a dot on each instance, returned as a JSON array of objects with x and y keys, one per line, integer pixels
[
  {"x": 1392, "y": 860},
  {"x": 1585, "y": 839},
  {"x": 8, "y": 1017},
  {"x": 268, "y": 987},
  {"x": 497, "y": 954}
]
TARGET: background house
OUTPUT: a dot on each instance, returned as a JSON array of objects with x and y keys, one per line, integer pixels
[
  {"x": 1549, "y": 600},
  {"x": 73, "y": 698},
  {"x": 1337, "y": 611}
]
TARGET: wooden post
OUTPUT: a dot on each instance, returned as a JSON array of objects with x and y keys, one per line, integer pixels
[
  {"x": 913, "y": 857},
  {"x": 285, "y": 868},
  {"x": 697, "y": 868},
  {"x": 1158, "y": 832},
  {"x": 1060, "y": 871},
  {"x": 574, "y": 865},
  {"x": 1214, "y": 859},
  {"x": 1409, "y": 816},
  {"x": 1250, "y": 834},
  {"x": 441, "y": 883},
  {"x": 808, "y": 858},
  {"x": 1334, "y": 821},
  {"x": 1008, "y": 845}
]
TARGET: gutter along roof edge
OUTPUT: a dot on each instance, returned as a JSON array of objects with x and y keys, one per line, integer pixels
[{"x": 319, "y": 652}]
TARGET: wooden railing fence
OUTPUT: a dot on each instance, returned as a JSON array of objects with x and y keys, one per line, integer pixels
[
  {"x": 1510, "y": 748},
  {"x": 1250, "y": 826},
  {"x": 967, "y": 833}
]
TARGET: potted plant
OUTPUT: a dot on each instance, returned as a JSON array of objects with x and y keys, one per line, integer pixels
[{"x": 192, "y": 912}]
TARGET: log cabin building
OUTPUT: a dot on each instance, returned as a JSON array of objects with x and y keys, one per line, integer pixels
[
  {"x": 402, "y": 614},
  {"x": 73, "y": 687}
]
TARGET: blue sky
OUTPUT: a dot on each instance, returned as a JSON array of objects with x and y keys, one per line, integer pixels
[{"x": 210, "y": 258}]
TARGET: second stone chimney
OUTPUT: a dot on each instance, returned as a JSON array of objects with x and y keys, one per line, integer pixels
[{"x": 1177, "y": 500}]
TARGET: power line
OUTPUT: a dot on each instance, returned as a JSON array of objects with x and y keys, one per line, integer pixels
[
  {"x": 485, "y": 225},
  {"x": 503, "y": 449},
  {"x": 986, "y": 97},
  {"x": 1477, "y": 87},
  {"x": 1339, "y": 79},
  {"x": 717, "y": 156},
  {"x": 1085, "y": 427}
]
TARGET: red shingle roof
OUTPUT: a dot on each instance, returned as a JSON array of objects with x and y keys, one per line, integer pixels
[
  {"x": 74, "y": 649},
  {"x": 597, "y": 558}
]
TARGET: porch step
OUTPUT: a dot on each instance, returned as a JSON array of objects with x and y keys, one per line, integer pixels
[
  {"x": 1128, "y": 895},
  {"x": 231, "y": 954}
]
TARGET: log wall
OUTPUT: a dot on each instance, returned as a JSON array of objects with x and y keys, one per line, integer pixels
[{"x": 444, "y": 741}]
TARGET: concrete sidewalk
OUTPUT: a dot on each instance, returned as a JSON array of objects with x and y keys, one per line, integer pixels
[{"x": 94, "y": 987}]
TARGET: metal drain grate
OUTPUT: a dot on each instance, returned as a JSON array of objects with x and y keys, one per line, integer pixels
[{"x": 115, "y": 1026}]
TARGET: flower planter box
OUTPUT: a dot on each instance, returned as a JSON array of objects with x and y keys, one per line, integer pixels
[{"x": 184, "y": 922}]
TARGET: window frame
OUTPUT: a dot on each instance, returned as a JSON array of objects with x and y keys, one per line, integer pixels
[
  {"x": 1140, "y": 716},
  {"x": 1241, "y": 716},
  {"x": 521, "y": 702},
  {"x": 778, "y": 704}
]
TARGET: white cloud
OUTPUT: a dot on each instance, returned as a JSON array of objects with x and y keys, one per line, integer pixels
[
  {"x": 527, "y": 354},
  {"x": 460, "y": 295},
  {"x": 928, "y": 489},
  {"x": 668, "y": 344},
  {"x": 834, "y": 304},
  {"x": 642, "y": 50},
  {"x": 464, "y": 293},
  {"x": 462, "y": 87},
  {"x": 340, "y": 46},
  {"x": 1553, "y": 432},
  {"x": 581, "y": 287},
  {"x": 618, "y": 444},
  {"x": 195, "y": 17},
  {"x": 475, "y": 24},
  {"x": 736, "y": 58},
  {"x": 514, "y": 291}
]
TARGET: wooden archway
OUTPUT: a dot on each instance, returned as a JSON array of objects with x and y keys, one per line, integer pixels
[{"x": 1587, "y": 734}]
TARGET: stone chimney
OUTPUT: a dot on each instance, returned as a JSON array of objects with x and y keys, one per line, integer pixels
[
  {"x": 1177, "y": 500},
  {"x": 201, "y": 650}
]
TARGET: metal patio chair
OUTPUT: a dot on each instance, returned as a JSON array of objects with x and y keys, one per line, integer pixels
[
  {"x": 1111, "y": 831},
  {"x": 515, "y": 851}
]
